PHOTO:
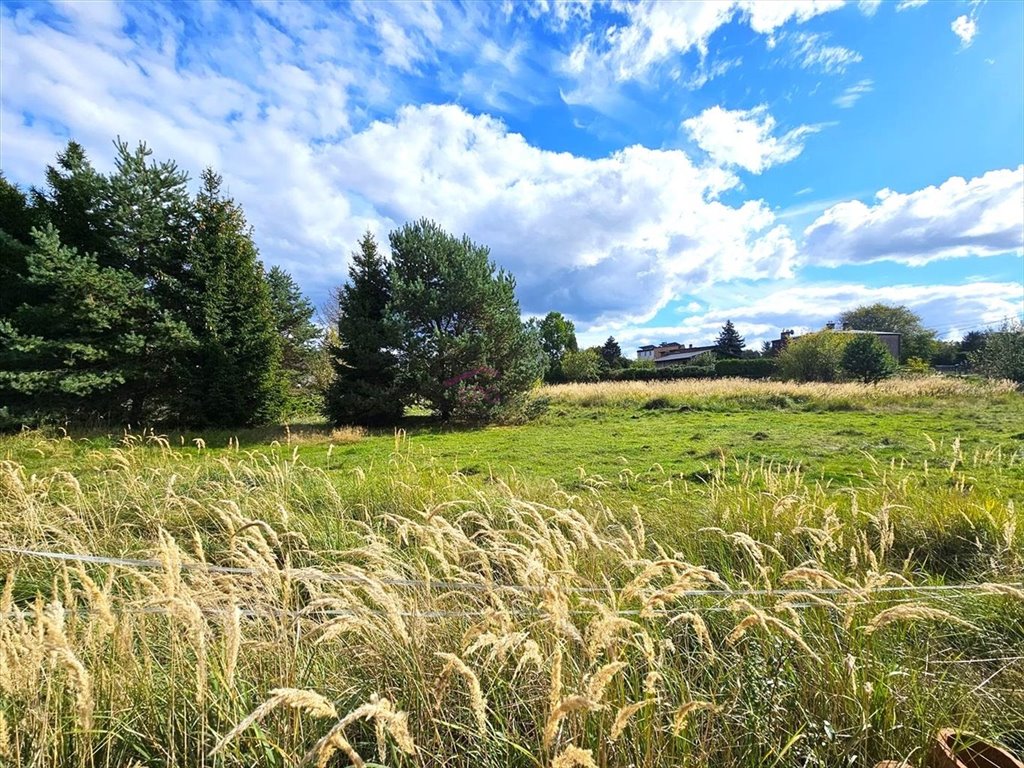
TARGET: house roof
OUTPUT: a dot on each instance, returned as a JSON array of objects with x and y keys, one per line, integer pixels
[{"x": 689, "y": 354}]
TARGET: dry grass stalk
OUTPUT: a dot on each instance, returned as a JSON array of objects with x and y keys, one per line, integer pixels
[
  {"x": 1003, "y": 589},
  {"x": 477, "y": 702},
  {"x": 623, "y": 716},
  {"x": 574, "y": 757},
  {"x": 600, "y": 680},
  {"x": 567, "y": 706},
  {"x": 758, "y": 618},
  {"x": 683, "y": 713},
  {"x": 378, "y": 709},
  {"x": 914, "y": 612},
  {"x": 307, "y": 701},
  {"x": 700, "y": 629}
]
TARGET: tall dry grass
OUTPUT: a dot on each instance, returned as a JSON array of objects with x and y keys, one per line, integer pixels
[
  {"x": 708, "y": 393},
  {"x": 412, "y": 617}
]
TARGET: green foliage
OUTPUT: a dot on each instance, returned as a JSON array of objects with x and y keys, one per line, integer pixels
[
  {"x": 1002, "y": 356},
  {"x": 916, "y": 340},
  {"x": 668, "y": 373},
  {"x": 299, "y": 336},
  {"x": 557, "y": 336},
  {"x": 582, "y": 365},
  {"x": 71, "y": 354},
  {"x": 132, "y": 302},
  {"x": 729, "y": 343},
  {"x": 747, "y": 368},
  {"x": 239, "y": 381},
  {"x": 867, "y": 358},
  {"x": 364, "y": 389},
  {"x": 611, "y": 353},
  {"x": 814, "y": 357},
  {"x": 642, "y": 364},
  {"x": 456, "y": 314}
]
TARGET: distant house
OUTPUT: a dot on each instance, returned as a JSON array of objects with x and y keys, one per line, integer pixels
[
  {"x": 891, "y": 339},
  {"x": 670, "y": 353}
]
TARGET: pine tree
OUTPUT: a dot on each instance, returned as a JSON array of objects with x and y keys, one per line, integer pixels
[
  {"x": 611, "y": 353},
  {"x": 17, "y": 218},
  {"x": 298, "y": 334},
  {"x": 462, "y": 344},
  {"x": 730, "y": 343},
  {"x": 364, "y": 389},
  {"x": 237, "y": 380},
  {"x": 148, "y": 213},
  {"x": 70, "y": 353}
]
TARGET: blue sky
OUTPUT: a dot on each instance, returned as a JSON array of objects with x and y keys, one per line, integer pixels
[{"x": 648, "y": 169}]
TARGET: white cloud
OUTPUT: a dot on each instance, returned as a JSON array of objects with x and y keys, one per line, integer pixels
[
  {"x": 980, "y": 217},
  {"x": 745, "y": 137},
  {"x": 812, "y": 51},
  {"x": 965, "y": 27},
  {"x": 653, "y": 33},
  {"x": 601, "y": 239},
  {"x": 853, "y": 93},
  {"x": 905, "y": 5},
  {"x": 869, "y": 7},
  {"x": 760, "y": 311}
]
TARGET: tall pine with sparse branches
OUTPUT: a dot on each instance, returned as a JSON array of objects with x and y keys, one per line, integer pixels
[{"x": 364, "y": 390}]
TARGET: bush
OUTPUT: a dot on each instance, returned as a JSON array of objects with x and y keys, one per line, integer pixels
[
  {"x": 814, "y": 357},
  {"x": 664, "y": 374},
  {"x": 1002, "y": 357},
  {"x": 747, "y": 368},
  {"x": 583, "y": 365},
  {"x": 868, "y": 359}
]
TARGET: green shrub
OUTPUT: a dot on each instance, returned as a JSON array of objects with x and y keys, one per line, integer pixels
[
  {"x": 747, "y": 368},
  {"x": 868, "y": 359},
  {"x": 814, "y": 357},
  {"x": 663, "y": 374}
]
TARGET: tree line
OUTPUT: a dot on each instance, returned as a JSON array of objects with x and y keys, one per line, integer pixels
[{"x": 126, "y": 299}]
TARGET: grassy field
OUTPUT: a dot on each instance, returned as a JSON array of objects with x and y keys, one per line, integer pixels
[{"x": 688, "y": 573}]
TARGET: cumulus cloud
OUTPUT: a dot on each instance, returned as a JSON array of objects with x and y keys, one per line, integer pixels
[
  {"x": 965, "y": 27},
  {"x": 852, "y": 94},
  {"x": 600, "y": 239},
  {"x": 983, "y": 216},
  {"x": 745, "y": 137},
  {"x": 761, "y": 311}
]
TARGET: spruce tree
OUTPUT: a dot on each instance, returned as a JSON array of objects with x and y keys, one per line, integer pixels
[
  {"x": 298, "y": 334},
  {"x": 461, "y": 341},
  {"x": 364, "y": 389},
  {"x": 148, "y": 213},
  {"x": 730, "y": 343},
  {"x": 72, "y": 352},
  {"x": 237, "y": 379},
  {"x": 611, "y": 353}
]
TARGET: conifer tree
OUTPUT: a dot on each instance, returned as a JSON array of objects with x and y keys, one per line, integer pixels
[
  {"x": 71, "y": 353},
  {"x": 460, "y": 335},
  {"x": 730, "y": 343},
  {"x": 237, "y": 380},
  {"x": 299, "y": 336},
  {"x": 364, "y": 390}
]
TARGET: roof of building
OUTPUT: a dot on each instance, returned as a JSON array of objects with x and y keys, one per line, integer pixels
[{"x": 689, "y": 354}]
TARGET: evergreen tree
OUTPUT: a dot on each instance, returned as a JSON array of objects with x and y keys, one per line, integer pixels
[
  {"x": 364, "y": 387},
  {"x": 71, "y": 353},
  {"x": 866, "y": 357},
  {"x": 237, "y": 381},
  {"x": 730, "y": 343},
  {"x": 17, "y": 218},
  {"x": 298, "y": 334},
  {"x": 149, "y": 216},
  {"x": 75, "y": 201},
  {"x": 611, "y": 353},
  {"x": 460, "y": 333}
]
